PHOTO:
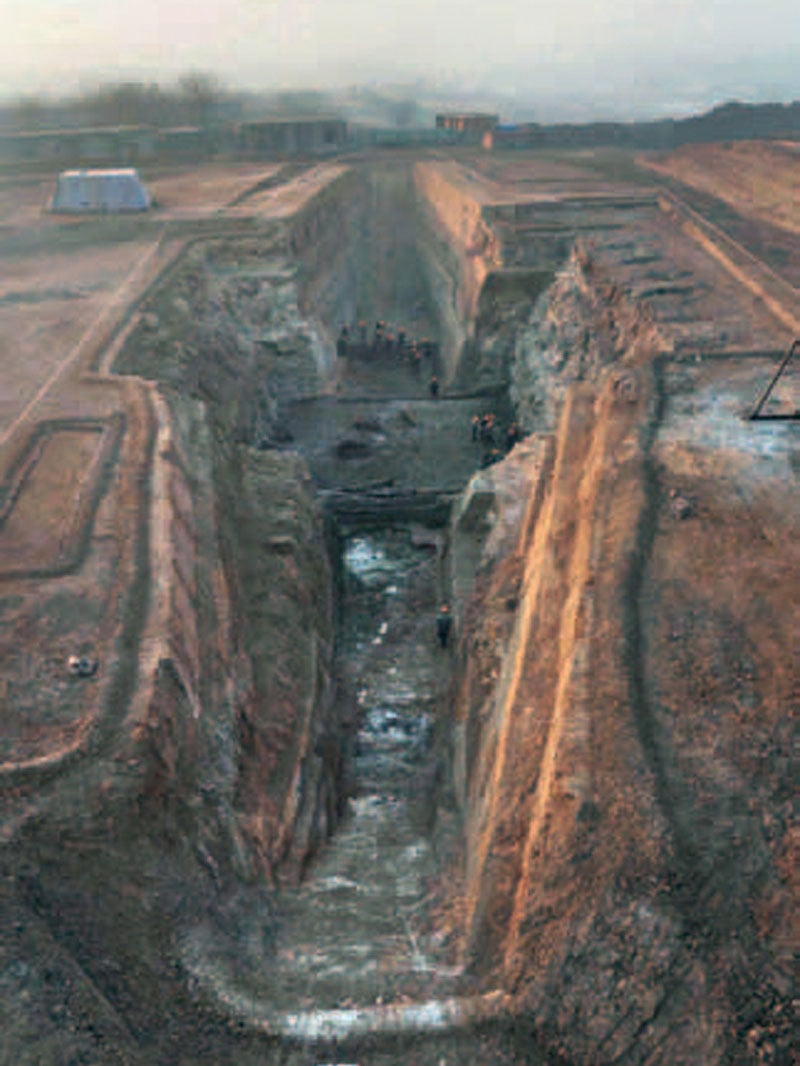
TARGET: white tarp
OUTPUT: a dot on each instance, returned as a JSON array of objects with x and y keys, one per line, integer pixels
[{"x": 100, "y": 190}]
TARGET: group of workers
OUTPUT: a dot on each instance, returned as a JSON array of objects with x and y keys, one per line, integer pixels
[
  {"x": 383, "y": 342},
  {"x": 485, "y": 430},
  {"x": 357, "y": 342},
  {"x": 487, "y": 433}
]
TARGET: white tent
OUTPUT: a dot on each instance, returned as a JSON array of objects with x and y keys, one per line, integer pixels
[{"x": 100, "y": 190}]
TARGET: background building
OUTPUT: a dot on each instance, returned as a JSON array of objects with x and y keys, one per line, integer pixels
[
  {"x": 472, "y": 125},
  {"x": 291, "y": 136}
]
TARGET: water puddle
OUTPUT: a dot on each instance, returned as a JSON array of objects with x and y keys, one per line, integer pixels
[{"x": 365, "y": 558}]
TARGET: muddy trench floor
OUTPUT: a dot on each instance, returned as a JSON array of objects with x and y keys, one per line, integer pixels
[
  {"x": 356, "y": 932},
  {"x": 364, "y": 927},
  {"x": 382, "y": 429},
  {"x": 360, "y": 928}
]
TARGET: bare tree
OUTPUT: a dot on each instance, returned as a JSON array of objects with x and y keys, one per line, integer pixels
[
  {"x": 405, "y": 113},
  {"x": 198, "y": 99},
  {"x": 201, "y": 95},
  {"x": 30, "y": 113}
]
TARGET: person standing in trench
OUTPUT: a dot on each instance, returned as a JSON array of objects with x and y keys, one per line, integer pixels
[{"x": 444, "y": 622}]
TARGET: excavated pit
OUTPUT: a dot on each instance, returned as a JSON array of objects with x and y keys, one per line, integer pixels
[
  {"x": 373, "y": 831},
  {"x": 300, "y": 831}
]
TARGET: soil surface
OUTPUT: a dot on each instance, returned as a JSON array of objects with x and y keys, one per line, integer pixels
[
  {"x": 576, "y": 820},
  {"x": 757, "y": 179}
]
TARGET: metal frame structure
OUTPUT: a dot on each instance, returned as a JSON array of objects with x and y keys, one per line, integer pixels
[{"x": 794, "y": 416}]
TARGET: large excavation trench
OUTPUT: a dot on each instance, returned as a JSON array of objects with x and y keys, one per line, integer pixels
[
  {"x": 355, "y": 931},
  {"x": 301, "y": 831},
  {"x": 351, "y": 927}
]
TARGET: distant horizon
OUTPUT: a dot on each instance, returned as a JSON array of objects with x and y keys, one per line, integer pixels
[
  {"x": 574, "y": 61},
  {"x": 518, "y": 107}
]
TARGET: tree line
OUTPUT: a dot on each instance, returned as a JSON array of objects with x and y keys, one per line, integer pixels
[{"x": 196, "y": 99}]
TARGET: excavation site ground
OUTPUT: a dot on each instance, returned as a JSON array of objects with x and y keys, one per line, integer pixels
[{"x": 261, "y": 802}]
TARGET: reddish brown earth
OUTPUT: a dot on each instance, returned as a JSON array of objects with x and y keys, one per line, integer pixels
[
  {"x": 757, "y": 178},
  {"x": 617, "y": 743}
]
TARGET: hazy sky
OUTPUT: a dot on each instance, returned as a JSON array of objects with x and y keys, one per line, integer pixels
[{"x": 648, "y": 49}]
